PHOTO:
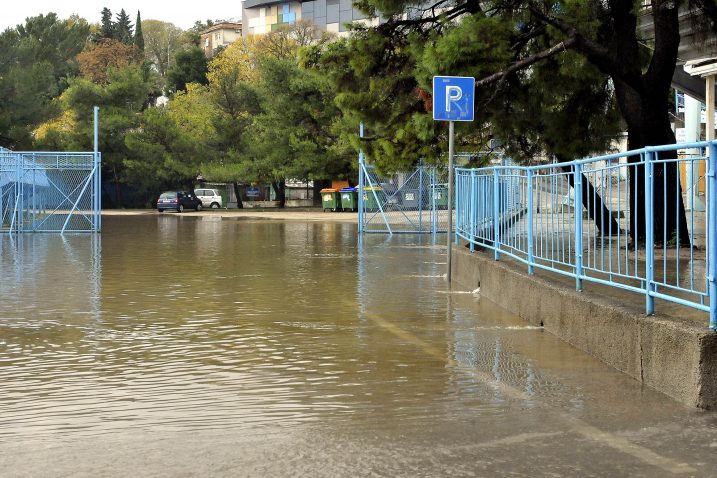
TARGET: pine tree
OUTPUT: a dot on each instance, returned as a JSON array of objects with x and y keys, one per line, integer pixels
[
  {"x": 107, "y": 27},
  {"x": 123, "y": 28},
  {"x": 138, "y": 36}
]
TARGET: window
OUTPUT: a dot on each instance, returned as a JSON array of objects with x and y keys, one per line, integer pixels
[{"x": 206, "y": 42}]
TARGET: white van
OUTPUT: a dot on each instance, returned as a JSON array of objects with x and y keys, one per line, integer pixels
[{"x": 210, "y": 198}]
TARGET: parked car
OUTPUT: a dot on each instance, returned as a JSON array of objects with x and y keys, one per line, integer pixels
[
  {"x": 179, "y": 201},
  {"x": 209, "y": 197}
]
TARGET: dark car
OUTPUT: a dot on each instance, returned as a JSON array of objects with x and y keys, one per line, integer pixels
[{"x": 179, "y": 201}]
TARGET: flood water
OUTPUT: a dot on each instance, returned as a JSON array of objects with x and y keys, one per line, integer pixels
[{"x": 185, "y": 346}]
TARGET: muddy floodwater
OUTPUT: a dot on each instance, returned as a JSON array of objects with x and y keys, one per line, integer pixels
[{"x": 198, "y": 346}]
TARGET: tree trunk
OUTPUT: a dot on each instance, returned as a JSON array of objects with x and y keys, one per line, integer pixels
[
  {"x": 643, "y": 102},
  {"x": 280, "y": 189},
  {"x": 118, "y": 189},
  {"x": 319, "y": 184},
  {"x": 600, "y": 215},
  {"x": 646, "y": 113},
  {"x": 240, "y": 203}
]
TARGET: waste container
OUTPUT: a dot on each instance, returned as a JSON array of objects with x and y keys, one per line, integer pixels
[
  {"x": 411, "y": 198},
  {"x": 369, "y": 197},
  {"x": 330, "y": 199},
  {"x": 349, "y": 199},
  {"x": 439, "y": 196}
]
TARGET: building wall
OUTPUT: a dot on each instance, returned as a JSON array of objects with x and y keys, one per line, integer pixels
[
  {"x": 218, "y": 37},
  {"x": 263, "y": 19},
  {"x": 331, "y": 15}
]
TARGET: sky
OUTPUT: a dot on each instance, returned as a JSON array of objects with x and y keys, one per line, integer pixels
[{"x": 180, "y": 12}]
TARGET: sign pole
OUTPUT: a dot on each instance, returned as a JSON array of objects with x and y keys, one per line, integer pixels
[
  {"x": 453, "y": 100},
  {"x": 449, "y": 239}
]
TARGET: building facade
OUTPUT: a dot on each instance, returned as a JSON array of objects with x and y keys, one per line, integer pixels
[
  {"x": 263, "y": 16},
  {"x": 220, "y": 35}
]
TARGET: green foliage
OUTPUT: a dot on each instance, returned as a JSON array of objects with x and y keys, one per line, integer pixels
[
  {"x": 255, "y": 115},
  {"x": 121, "y": 102},
  {"x": 384, "y": 78},
  {"x": 107, "y": 26},
  {"x": 192, "y": 37},
  {"x": 291, "y": 137},
  {"x": 138, "y": 35},
  {"x": 160, "y": 156},
  {"x": 190, "y": 66},
  {"x": 376, "y": 84},
  {"x": 161, "y": 42},
  {"x": 36, "y": 60},
  {"x": 123, "y": 29}
]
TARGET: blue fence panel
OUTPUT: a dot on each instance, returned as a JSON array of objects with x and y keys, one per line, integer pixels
[
  {"x": 409, "y": 202},
  {"x": 580, "y": 219},
  {"x": 49, "y": 192}
]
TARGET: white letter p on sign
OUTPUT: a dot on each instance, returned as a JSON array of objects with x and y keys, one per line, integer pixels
[{"x": 453, "y": 94}]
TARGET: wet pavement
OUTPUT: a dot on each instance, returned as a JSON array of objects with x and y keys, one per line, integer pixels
[{"x": 186, "y": 346}]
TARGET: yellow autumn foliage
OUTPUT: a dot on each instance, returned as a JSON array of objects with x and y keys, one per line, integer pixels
[
  {"x": 65, "y": 123},
  {"x": 238, "y": 59}
]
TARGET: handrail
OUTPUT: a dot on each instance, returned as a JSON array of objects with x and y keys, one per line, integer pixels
[{"x": 581, "y": 219}]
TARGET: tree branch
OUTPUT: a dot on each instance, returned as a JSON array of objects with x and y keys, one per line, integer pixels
[
  {"x": 526, "y": 62},
  {"x": 596, "y": 53},
  {"x": 466, "y": 7}
]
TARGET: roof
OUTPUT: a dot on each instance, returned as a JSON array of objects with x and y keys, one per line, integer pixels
[
  {"x": 702, "y": 67},
  {"x": 222, "y": 26}
]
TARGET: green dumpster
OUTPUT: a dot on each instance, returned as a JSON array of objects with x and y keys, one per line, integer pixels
[
  {"x": 330, "y": 199},
  {"x": 369, "y": 197},
  {"x": 439, "y": 196},
  {"x": 349, "y": 199}
]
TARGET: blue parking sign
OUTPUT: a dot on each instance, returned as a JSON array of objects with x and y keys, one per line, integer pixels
[{"x": 453, "y": 98}]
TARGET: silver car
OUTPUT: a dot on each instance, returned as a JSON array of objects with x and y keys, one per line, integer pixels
[{"x": 210, "y": 197}]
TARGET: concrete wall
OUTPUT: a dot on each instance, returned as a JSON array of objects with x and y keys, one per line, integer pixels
[{"x": 675, "y": 356}]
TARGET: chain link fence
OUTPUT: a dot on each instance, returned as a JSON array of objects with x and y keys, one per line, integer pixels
[
  {"x": 409, "y": 202},
  {"x": 49, "y": 192}
]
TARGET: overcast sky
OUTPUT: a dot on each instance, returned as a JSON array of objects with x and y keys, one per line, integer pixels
[{"x": 182, "y": 13}]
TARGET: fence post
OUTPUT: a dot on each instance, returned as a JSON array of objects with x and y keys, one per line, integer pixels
[
  {"x": 432, "y": 199},
  {"x": 711, "y": 234},
  {"x": 578, "y": 203},
  {"x": 361, "y": 186},
  {"x": 420, "y": 197},
  {"x": 97, "y": 204},
  {"x": 531, "y": 269},
  {"x": 496, "y": 216},
  {"x": 649, "y": 234},
  {"x": 468, "y": 211},
  {"x": 459, "y": 209}
]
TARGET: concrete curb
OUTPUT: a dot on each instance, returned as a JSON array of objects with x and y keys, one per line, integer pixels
[{"x": 672, "y": 355}]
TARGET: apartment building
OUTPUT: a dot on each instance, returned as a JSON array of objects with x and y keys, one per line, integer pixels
[{"x": 219, "y": 35}]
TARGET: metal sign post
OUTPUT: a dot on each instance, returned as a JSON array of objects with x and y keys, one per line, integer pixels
[
  {"x": 453, "y": 100},
  {"x": 449, "y": 239}
]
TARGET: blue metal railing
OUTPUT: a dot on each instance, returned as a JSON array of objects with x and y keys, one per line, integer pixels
[{"x": 581, "y": 218}]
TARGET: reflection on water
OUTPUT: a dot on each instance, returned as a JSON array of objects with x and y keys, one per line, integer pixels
[{"x": 177, "y": 323}]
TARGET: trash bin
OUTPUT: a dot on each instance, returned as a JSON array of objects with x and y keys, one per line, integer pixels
[
  {"x": 369, "y": 197},
  {"x": 411, "y": 198},
  {"x": 349, "y": 199},
  {"x": 439, "y": 196},
  {"x": 330, "y": 199}
]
